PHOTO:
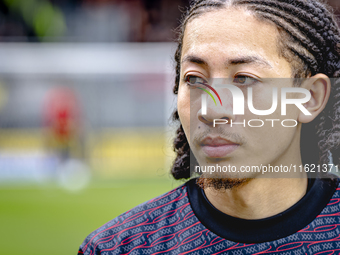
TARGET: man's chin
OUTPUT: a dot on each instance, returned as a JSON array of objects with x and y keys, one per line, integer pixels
[{"x": 219, "y": 181}]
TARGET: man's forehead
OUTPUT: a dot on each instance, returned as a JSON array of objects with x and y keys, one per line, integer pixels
[
  {"x": 230, "y": 39},
  {"x": 228, "y": 22}
]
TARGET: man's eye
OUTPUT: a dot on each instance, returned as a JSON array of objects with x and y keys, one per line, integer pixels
[
  {"x": 244, "y": 80},
  {"x": 194, "y": 80}
]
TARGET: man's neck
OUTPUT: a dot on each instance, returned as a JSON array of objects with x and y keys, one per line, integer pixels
[{"x": 259, "y": 197}]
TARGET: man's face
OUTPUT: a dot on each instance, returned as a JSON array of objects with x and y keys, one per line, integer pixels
[{"x": 233, "y": 45}]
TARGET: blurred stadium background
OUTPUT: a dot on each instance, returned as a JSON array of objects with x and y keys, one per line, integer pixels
[{"x": 85, "y": 106}]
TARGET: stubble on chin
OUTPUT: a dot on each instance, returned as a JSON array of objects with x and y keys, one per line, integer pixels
[{"x": 220, "y": 183}]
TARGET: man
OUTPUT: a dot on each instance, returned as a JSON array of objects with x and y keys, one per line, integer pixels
[
  {"x": 62, "y": 121},
  {"x": 228, "y": 46}
]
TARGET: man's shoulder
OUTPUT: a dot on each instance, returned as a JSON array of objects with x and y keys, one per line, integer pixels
[
  {"x": 334, "y": 202},
  {"x": 144, "y": 218}
]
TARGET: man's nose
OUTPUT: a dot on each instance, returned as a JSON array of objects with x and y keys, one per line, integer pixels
[{"x": 216, "y": 111}]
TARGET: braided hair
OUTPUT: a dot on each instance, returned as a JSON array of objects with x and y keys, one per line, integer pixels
[{"x": 309, "y": 38}]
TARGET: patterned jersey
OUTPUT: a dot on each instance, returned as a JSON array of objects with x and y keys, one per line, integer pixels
[{"x": 183, "y": 221}]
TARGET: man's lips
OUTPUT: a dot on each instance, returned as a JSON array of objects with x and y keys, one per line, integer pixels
[{"x": 218, "y": 147}]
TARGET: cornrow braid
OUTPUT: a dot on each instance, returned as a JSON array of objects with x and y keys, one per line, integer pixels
[
  {"x": 309, "y": 38},
  {"x": 308, "y": 34},
  {"x": 301, "y": 32}
]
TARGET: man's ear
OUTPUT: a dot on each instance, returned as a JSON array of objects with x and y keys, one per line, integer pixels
[{"x": 320, "y": 87}]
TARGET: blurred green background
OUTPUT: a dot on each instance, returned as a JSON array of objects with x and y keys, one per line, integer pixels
[
  {"x": 85, "y": 106},
  {"x": 49, "y": 220}
]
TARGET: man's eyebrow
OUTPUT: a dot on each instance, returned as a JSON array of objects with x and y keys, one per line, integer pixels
[
  {"x": 194, "y": 59},
  {"x": 234, "y": 61},
  {"x": 248, "y": 60}
]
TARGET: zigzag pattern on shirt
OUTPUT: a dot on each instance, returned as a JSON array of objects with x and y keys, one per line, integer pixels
[{"x": 167, "y": 225}]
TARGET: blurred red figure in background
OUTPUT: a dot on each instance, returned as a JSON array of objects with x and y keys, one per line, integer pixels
[{"x": 63, "y": 122}]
